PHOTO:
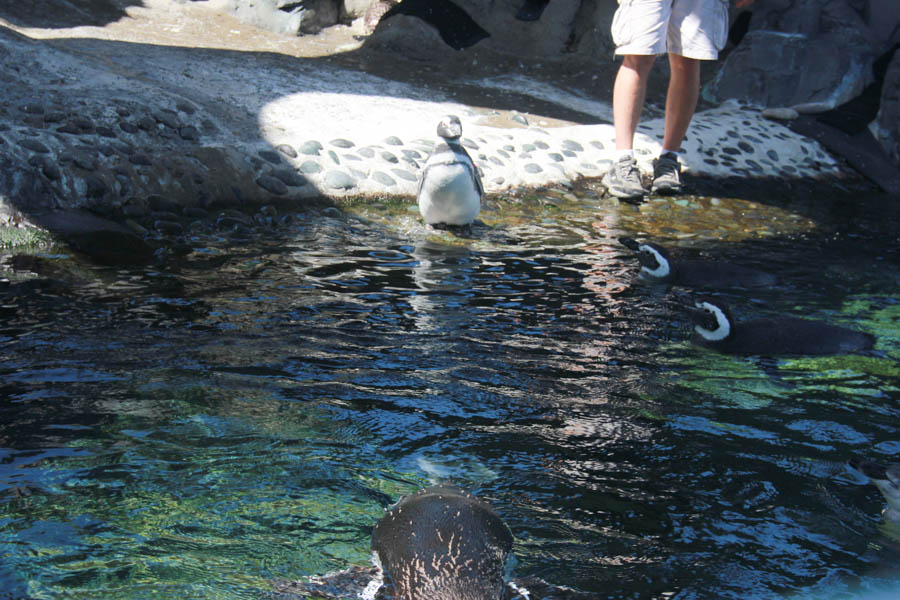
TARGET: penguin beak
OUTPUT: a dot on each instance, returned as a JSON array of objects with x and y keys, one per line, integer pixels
[{"x": 629, "y": 243}]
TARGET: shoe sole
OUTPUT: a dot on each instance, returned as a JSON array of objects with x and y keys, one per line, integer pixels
[{"x": 666, "y": 190}]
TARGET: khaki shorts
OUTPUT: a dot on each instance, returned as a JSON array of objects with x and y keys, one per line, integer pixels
[{"x": 692, "y": 28}]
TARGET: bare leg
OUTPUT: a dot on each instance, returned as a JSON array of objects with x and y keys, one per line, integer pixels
[
  {"x": 681, "y": 99},
  {"x": 628, "y": 97}
]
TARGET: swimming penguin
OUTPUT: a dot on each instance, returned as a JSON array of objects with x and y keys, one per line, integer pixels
[
  {"x": 443, "y": 544},
  {"x": 450, "y": 189},
  {"x": 887, "y": 479},
  {"x": 440, "y": 543},
  {"x": 658, "y": 265},
  {"x": 715, "y": 328}
]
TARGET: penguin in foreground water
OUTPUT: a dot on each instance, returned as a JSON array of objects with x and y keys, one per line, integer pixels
[
  {"x": 443, "y": 544},
  {"x": 715, "y": 328},
  {"x": 887, "y": 479},
  {"x": 440, "y": 543},
  {"x": 450, "y": 189},
  {"x": 658, "y": 265}
]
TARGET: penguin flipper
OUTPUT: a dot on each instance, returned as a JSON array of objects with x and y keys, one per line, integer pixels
[
  {"x": 475, "y": 175},
  {"x": 349, "y": 583}
]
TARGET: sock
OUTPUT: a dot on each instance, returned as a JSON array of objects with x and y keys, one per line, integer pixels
[{"x": 620, "y": 154}]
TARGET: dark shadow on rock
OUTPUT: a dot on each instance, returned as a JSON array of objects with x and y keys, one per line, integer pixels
[
  {"x": 100, "y": 239},
  {"x": 455, "y": 26},
  {"x": 64, "y": 13}
]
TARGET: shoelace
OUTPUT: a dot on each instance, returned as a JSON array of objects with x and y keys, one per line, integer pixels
[{"x": 626, "y": 172}]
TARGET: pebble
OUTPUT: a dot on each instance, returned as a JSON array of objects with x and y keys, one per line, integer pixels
[
  {"x": 272, "y": 184},
  {"x": 339, "y": 180},
  {"x": 290, "y": 177},
  {"x": 128, "y": 127},
  {"x": 34, "y": 146},
  {"x": 189, "y": 133},
  {"x": 533, "y": 168},
  {"x": 780, "y": 114},
  {"x": 287, "y": 150},
  {"x": 310, "y": 167},
  {"x": 389, "y": 157},
  {"x": 404, "y": 175},
  {"x": 393, "y": 141},
  {"x": 270, "y": 156},
  {"x": 384, "y": 179},
  {"x": 342, "y": 143}
]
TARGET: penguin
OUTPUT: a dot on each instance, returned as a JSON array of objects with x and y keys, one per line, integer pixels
[
  {"x": 658, "y": 265},
  {"x": 715, "y": 328},
  {"x": 450, "y": 189},
  {"x": 887, "y": 479},
  {"x": 440, "y": 543},
  {"x": 443, "y": 544}
]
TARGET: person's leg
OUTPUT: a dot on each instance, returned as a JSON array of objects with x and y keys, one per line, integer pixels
[
  {"x": 629, "y": 91},
  {"x": 681, "y": 99}
]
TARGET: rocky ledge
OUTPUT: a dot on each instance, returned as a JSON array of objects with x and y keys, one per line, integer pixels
[{"x": 177, "y": 109}]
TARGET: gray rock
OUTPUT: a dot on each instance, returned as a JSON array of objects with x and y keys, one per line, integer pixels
[
  {"x": 779, "y": 62},
  {"x": 287, "y": 150},
  {"x": 886, "y": 126},
  {"x": 402, "y": 174},
  {"x": 272, "y": 184},
  {"x": 533, "y": 168},
  {"x": 103, "y": 240},
  {"x": 310, "y": 148},
  {"x": 286, "y": 16},
  {"x": 393, "y": 141},
  {"x": 34, "y": 146},
  {"x": 339, "y": 180},
  {"x": 342, "y": 143},
  {"x": 270, "y": 156},
  {"x": 290, "y": 177},
  {"x": 384, "y": 179},
  {"x": 310, "y": 167}
]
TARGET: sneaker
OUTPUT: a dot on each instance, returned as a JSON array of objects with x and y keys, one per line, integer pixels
[
  {"x": 667, "y": 174},
  {"x": 624, "y": 179}
]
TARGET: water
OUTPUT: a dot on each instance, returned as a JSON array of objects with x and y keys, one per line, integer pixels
[{"x": 243, "y": 410}]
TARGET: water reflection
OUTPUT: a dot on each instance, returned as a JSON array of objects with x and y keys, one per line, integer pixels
[{"x": 244, "y": 411}]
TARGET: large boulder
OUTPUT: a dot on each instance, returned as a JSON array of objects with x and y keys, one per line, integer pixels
[
  {"x": 800, "y": 52},
  {"x": 886, "y": 126},
  {"x": 581, "y": 28},
  {"x": 288, "y": 16}
]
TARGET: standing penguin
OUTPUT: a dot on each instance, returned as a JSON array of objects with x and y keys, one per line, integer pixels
[
  {"x": 715, "y": 328},
  {"x": 658, "y": 265},
  {"x": 450, "y": 189},
  {"x": 443, "y": 544}
]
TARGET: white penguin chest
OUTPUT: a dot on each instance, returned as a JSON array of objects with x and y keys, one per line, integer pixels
[{"x": 449, "y": 194}]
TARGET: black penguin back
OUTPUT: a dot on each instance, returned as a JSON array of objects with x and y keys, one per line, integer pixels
[
  {"x": 789, "y": 335},
  {"x": 712, "y": 273},
  {"x": 443, "y": 544}
]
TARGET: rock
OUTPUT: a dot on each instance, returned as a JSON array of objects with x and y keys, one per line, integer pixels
[
  {"x": 779, "y": 61},
  {"x": 103, "y": 240},
  {"x": 286, "y": 16},
  {"x": 886, "y": 126}
]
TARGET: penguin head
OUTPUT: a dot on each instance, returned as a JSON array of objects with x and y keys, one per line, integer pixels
[
  {"x": 450, "y": 128},
  {"x": 712, "y": 320},
  {"x": 654, "y": 259}
]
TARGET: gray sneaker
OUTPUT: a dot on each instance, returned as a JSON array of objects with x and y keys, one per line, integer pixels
[
  {"x": 624, "y": 179},
  {"x": 667, "y": 174}
]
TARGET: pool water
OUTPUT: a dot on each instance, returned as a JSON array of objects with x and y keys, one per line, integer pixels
[{"x": 244, "y": 409}]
